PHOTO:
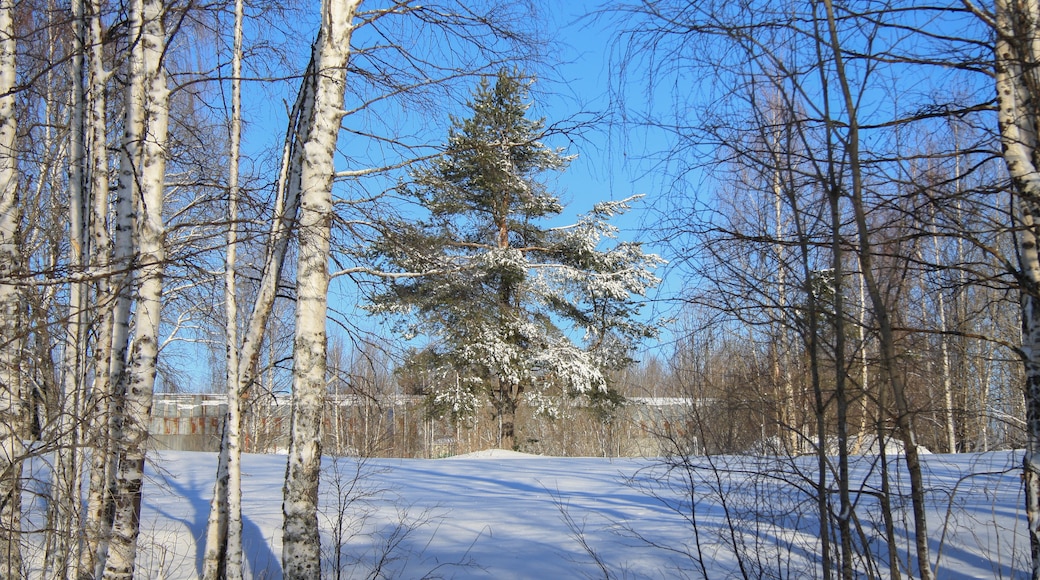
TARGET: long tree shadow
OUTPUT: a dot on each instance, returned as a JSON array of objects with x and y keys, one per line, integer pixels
[{"x": 261, "y": 560}]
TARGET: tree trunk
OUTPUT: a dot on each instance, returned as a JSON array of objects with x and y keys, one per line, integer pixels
[
  {"x": 223, "y": 556},
  {"x": 841, "y": 399},
  {"x": 903, "y": 417},
  {"x": 885, "y": 498},
  {"x": 97, "y": 523},
  {"x": 233, "y": 568},
  {"x": 947, "y": 371},
  {"x": 1017, "y": 54},
  {"x": 778, "y": 136},
  {"x": 146, "y": 129},
  {"x": 12, "y": 398},
  {"x": 812, "y": 345},
  {"x": 823, "y": 502},
  {"x": 287, "y": 205},
  {"x": 214, "y": 559},
  {"x": 864, "y": 368},
  {"x": 508, "y": 396},
  {"x": 301, "y": 557},
  {"x": 65, "y": 505}
]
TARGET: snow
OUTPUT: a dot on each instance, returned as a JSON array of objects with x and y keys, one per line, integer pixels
[{"x": 501, "y": 514}]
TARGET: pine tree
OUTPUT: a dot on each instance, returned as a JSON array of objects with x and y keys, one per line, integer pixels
[{"x": 515, "y": 307}]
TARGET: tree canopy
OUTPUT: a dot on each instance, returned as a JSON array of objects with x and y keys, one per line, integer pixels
[{"x": 518, "y": 306}]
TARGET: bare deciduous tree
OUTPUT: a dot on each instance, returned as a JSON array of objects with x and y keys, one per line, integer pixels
[
  {"x": 12, "y": 396},
  {"x": 145, "y": 132},
  {"x": 301, "y": 556}
]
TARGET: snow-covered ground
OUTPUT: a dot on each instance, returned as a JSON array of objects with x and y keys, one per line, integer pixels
[{"x": 503, "y": 515}]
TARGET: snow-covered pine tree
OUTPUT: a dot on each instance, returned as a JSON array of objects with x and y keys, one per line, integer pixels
[{"x": 515, "y": 306}]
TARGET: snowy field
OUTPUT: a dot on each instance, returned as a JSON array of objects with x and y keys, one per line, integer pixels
[{"x": 502, "y": 515}]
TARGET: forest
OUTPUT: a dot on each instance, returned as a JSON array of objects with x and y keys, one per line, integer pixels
[{"x": 819, "y": 242}]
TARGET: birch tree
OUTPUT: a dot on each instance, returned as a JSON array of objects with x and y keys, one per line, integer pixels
[
  {"x": 385, "y": 72},
  {"x": 65, "y": 501},
  {"x": 284, "y": 217},
  {"x": 12, "y": 396},
  {"x": 1016, "y": 57},
  {"x": 223, "y": 556},
  {"x": 145, "y": 131},
  {"x": 96, "y": 523},
  {"x": 233, "y": 569},
  {"x": 301, "y": 555}
]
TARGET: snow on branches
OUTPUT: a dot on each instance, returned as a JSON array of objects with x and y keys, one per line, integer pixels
[{"x": 522, "y": 311}]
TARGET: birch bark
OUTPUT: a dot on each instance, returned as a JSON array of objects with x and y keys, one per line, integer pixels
[
  {"x": 779, "y": 139},
  {"x": 944, "y": 350},
  {"x": 233, "y": 567},
  {"x": 1017, "y": 54},
  {"x": 96, "y": 524},
  {"x": 300, "y": 540},
  {"x": 223, "y": 555},
  {"x": 65, "y": 504},
  {"x": 147, "y": 117},
  {"x": 12, "y": 399},
  {"x": 286, "y": 210}
]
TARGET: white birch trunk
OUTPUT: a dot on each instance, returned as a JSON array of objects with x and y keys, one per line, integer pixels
[
  {"x": 985, "y": 362},
  {"x": 150, "y": 115},
  {"x": 214, "y": 559},
  {"x": 287, "y": 204},
  {"x": 65, "y": 504},
  {"x": 12, "y": 400},
  {"x": 947, "y": 371},
  {"x": 864, "y": 367},
  {"x": 96, "y": 524},
  {"x": 223, "y": 555},
  {"x": 233, "y": 565},
  {"x": 301, "y": 556},
  {"x": 788, "y": 430},
  {"x": 1017, "y": 53},
  {"x": 122, "y": 261}
]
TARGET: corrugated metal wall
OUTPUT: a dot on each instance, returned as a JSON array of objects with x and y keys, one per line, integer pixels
[{"x": 400, "y": 427}]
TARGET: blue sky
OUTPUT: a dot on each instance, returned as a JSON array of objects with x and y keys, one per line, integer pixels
[{"x": 575, "y": 88}]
